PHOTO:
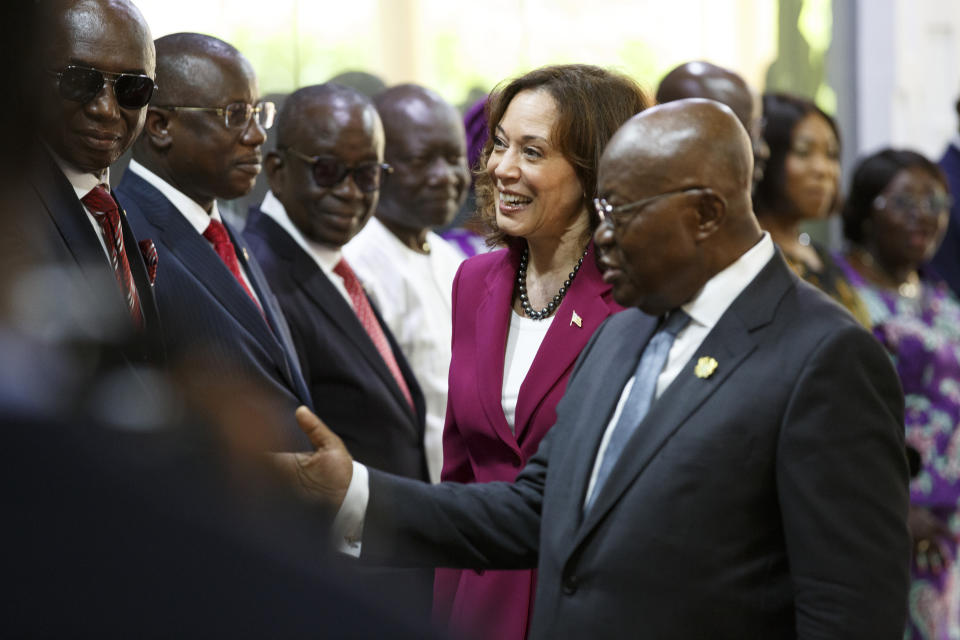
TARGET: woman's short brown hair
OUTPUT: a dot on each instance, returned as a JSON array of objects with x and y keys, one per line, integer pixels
[{"x": 591, "y": 102}]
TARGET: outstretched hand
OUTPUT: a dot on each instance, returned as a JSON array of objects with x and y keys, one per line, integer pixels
[{"x": 325, "y": 474}]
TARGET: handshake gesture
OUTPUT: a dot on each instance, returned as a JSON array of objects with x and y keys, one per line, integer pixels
[{"x": 323, "y": 475}]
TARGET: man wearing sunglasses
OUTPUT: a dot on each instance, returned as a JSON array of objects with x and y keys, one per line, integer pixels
[
  {"x": 325, "y": 177},
  {"x": 96, "y": 79},
  {"x": 201, "y": 141}
]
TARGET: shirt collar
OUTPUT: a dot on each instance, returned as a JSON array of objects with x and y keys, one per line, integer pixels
[
  {"x": 82, "y": 182},
  {"x": 326, "y": 257},
  {"x": 198, "y": 218},
  {"x": 722, "y": 289}
]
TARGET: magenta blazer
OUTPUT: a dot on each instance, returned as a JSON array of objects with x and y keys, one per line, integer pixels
[{"x": 478, "y": 445}]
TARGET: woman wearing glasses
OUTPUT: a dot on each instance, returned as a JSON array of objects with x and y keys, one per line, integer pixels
[
  {"x": 895, "y": 218},
  {"x": 522, "y": 315},
  {"x": 801, "y": 183}
]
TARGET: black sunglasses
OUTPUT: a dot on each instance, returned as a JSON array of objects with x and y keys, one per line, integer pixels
[
  {"x": 83, "y": 84},
  {"x": 329, "y": 172}
]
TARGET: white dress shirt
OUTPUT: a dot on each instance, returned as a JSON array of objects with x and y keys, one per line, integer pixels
[
  {"x": 524, "y": 338},
  {"x": 198, "y": 218},
  {"x": 326, "y": 257},
  {"x": 413, "y": 293},
  {"x": 704, "y": 309}
]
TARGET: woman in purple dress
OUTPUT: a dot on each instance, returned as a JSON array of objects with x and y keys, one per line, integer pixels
[{"x": 895, "y": 218}]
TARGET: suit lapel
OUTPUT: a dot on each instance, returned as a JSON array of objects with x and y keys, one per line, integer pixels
[
  {"x": 617, "y": 363},
  {"x": 493, "y": 315},
  {"x": 329, "y": 301},
  {"x": 731, "y": 343},
  {"x": 564, "y": 340},
  {"x": 273, "y": 314},
  {"x": 70, "y": 218}
]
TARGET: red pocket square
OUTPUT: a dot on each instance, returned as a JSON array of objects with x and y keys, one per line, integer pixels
[{"x": 149, "y": 251}]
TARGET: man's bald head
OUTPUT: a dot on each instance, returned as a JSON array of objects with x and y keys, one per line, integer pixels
[
  {"x": 69, "y": 21},
  {"x": 691, "y": 161},
  {"x": 108, "y": 36},
  {"x": 405, "y": 102},
  {"x": 297, "y": 115},
  {"x": 183, "y": 62},
  {"x": 685, "y": 143},
  {"x": 426, "y": 146},
  {"x": 197, "y": 150},
  {"x": 705, "y": 80}
]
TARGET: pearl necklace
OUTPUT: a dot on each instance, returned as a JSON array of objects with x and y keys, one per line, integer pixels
[{"x": 548, "y": 310}]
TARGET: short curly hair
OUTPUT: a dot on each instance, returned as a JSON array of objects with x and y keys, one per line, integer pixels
[{"x": 592, "y": 103}]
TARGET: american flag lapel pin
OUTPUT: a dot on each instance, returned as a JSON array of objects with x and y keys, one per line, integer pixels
[{"x": 575, "y": 319}]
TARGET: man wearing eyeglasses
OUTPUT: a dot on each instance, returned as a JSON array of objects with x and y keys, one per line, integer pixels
[
  {"x": 728, "y": 457},
  {"x": 325, "y": 176},
  {"x": 201, "y": 141},
  {"x": 96, "y": 78}
]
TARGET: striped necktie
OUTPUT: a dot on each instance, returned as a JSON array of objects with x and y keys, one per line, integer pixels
[
  {"x": 371, "y": 325},
  {"x": 101, "y": 204}
]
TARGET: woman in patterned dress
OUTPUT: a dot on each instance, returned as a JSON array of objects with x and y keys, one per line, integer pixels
[{"x": 895, "y": 218}]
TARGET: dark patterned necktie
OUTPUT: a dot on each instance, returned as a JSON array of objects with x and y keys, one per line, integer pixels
[
  {"x": 217, "y": 235},
  {"x": 101, "y": 204},
  {"x": 635, "y": 409},
  {"x": 361, "y": 306}
]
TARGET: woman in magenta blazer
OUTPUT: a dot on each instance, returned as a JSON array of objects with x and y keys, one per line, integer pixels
[{"x": 522, "y": 315}]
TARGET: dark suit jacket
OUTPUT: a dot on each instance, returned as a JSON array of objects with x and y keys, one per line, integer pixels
[
  {"x": 205, "y": 310},
  {"x": 64, "y": 236},
  {"x": 767, "y": 500},
  {"x": 353, "y": 391},
  {"x": 478, "y": 444},
  {"x": 947, "y": 259}
]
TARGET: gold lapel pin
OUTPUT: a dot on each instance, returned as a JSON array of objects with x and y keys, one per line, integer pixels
[
  {"x": 576, "y": 319},
  {"x": 705, "y": 367},
  {"x": 246, "y": 256}
]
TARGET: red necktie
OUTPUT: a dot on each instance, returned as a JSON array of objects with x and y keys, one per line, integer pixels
[
  {"x": 361, "y": 306},
  {"x": 101, "y": 204},
  {"x": 217, "y": 234}
]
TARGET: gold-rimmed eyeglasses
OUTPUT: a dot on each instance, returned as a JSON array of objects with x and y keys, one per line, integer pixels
[
  {"x": 236, "y": 115},
  {"x": 614, "y": 214}
]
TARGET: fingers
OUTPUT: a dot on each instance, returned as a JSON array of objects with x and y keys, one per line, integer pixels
[{"x": 320, "y": 435}]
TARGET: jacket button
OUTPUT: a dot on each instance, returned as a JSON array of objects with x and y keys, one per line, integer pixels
[{"x": 570, "y": 584}]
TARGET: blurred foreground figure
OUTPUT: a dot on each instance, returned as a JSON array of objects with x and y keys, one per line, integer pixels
[{"x": 728, "y": 457}]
